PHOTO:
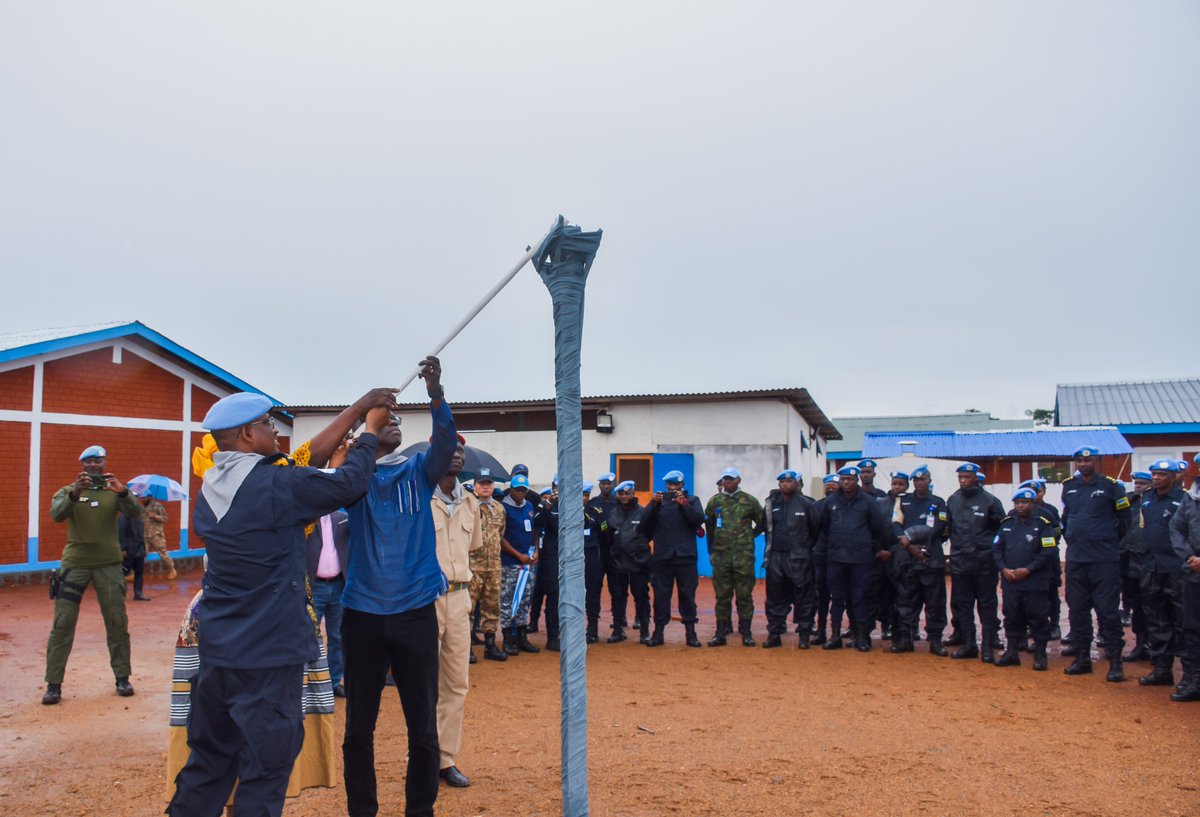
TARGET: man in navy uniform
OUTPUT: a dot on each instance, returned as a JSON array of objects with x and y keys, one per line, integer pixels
[
  {"x": 1095, "y": 517},
  {"x": 921, "y": 567},
  {"x": 829, "y": 485},
  {"x": 246, "y": 724},
  {"x": 1185, "y": 538},
  {"x": 856, "y": 532},
  {"x": 1161, "y": 590},
  {"x": 673, "y": 518},
  {"x": 1024, "y": 550},
  {"x": 973, "y": 518},
  {"x": 1044, "y": 508},
  {"x": 791, "y": 523},
  {"x": 1133, "y": 558}
]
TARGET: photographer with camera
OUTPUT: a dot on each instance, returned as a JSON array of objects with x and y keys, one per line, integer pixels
[
  {"x": 89, "y": 506},
  {"x": 674, "y": 517}
]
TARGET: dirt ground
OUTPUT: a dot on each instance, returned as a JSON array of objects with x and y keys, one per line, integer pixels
[{"x": 672, "y": 731}]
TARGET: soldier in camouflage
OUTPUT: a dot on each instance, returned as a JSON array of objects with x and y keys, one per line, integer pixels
[
  {"x": 732, "y": 520},
  {"x": 485, "y": 565},
  {"x": 154, "y": 516}
]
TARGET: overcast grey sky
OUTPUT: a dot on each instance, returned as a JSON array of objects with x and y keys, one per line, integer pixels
[{"x": 904, "y": 207}]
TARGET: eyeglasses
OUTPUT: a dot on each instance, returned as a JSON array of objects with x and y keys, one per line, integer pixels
[{"x": 266, "y": 421}]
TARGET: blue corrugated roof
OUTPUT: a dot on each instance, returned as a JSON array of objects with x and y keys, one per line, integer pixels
[{"x": 1042, "y": 443}]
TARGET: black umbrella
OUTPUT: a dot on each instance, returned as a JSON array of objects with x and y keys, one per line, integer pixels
[{"x": 474, "y": 461}]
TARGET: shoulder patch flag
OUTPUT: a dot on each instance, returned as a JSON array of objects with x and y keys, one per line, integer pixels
[
  {"x": 1047, "y": 541},
  {"x": 1122, "y": 503}
]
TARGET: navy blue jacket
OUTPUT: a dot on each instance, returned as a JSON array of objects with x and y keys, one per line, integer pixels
[
  {"x": 854, "y": 528},
  {"x": 1029, "y": 543},
  {"x": 629, "y": 536},
  {"x": 1157, "y": 511},
  {"x": 973, "y": 519},
  {"x": 919, "y": 511},
  {"x": 1095, "y": 517},
  {"x": 674, "y": 528},
  {"x": 253, "y": 614},
  {"x": 792, "y": 525},
  {"x": 545, "y": 522}
]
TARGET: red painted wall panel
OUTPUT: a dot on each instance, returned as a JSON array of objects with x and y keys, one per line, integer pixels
[
  {"x": 16, "y": 389},
  {"x": 14, "y": 509},
  {"x": 90, "y": 383}
]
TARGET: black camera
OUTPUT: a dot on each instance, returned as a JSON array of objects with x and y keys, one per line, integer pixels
[{"x": 99, "y": 481}]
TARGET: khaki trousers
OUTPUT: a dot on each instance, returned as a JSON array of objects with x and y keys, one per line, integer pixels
[{"x": 454, "y": 655}]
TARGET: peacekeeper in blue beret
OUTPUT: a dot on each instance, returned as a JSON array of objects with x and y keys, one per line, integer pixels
[
  {"x": 829, "y": 485},
  {"x": 791, "y": 525},
  {"x": 973, "y": 517},
  {"x": 1185, "y": 539},
  {"x": 921, "y": 566},
  {"x": 600, "y": 505},
  {"x": 1095, "y": 518},
  {"x": 856, "y": 531},
  {"x": 866, "y": 479},
  {"x": 1024, "y": 552},
  {"x": 884, "y": 577},
  {"x": 257, "y": 631},
  {"x": 732, "y": 521},
  {"x": 1161, "y": 589},
  {"x": 673, "y": 518},
  {"x": 1054, "y": 594},
  {"x": 629, "y": 545},
  {"x": 1133, "y": 552}
]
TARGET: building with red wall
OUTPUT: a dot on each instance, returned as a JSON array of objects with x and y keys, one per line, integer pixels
[{"x": 119, "y": 385}]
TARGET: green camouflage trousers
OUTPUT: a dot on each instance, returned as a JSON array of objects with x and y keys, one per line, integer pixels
[
  {"x": 110, "y": 591},
  {"x": 485, "y": 591},
  {"x": 733, "y": 574}
]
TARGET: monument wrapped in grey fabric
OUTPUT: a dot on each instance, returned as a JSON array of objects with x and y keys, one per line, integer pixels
[{"x": 564, "y": 260}]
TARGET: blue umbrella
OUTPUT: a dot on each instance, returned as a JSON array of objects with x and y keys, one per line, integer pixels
[{"x": 161, "y": 488}]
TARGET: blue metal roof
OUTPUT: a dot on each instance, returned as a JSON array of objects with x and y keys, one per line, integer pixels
[
  {"x": 16, "y": 347},
  {"x": 1042, "y": 443}
]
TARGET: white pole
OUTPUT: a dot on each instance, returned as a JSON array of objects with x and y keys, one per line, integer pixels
[{"x": 475, "y": 310}]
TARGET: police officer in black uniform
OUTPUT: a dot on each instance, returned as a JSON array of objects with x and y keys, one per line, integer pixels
[
  {"x": 1095, "y": 518},
  {"x": 1054, "y": 593},
  {"x": 791, "y": 531},
  {"x": 820, "y": 571},
  {"x": 921, "y": 566},
  {"x": 1162, "y": 580},
  {"x": 600, "y": 505},
  {"x": 1185, "y": 539},
  {"x": 974, "y": 516},
  {"x": 673, "y": 517},
  {"x": 1133, "y": 557},
  {"x": 629, "y": 547},
  {"x": 1024, "y": 550}
]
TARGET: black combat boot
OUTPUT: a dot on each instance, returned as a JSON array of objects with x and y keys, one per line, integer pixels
[
  {"x": 969, "y": 649},
  {"x": 1056, "y": 633},
  {"x": 936, "y": 647},
  {"x": 593, "y": 630},
  {"x": 656, "y": 640},
  {"x": 955, "y": 640},
  {"x": 744, "y": 629},
  {"x": 773, "y": 641},
  {"x": 987, "y": 652},
  {"x": 1072, "y": 649},
  {"x": 1039, "y": 656},
  {"x": 822, "y": 626},
  {"x": 1012, "y": 656},
  {"x": 1189, "y": 689},
  {"x": 1139, "y": 652},
  {"x": 510, "y": 641},
  {"x": 1082, "y": 665},
  {"x": 473, "y": 660},
  {"x": 490, "y": 652},
  {"x": 1116, "y": 666},
  {"x": 523, "y": 641},
  {"x": 1187, "y": 673},
  {"x": 805, "y": 639},
  {"x": 1162, "y": 675},
  {"x": 718, "y": 639},
  {"x": 833, "y": 644},
  {"x": 618, "y": 635},
  {"x": 692, "y": 640},
  {"x": 53, "y": 694},
  {"x": 552, "y": 644},
  {"x": 862, "y": 640},
  {"x": 644, "y": 629}
]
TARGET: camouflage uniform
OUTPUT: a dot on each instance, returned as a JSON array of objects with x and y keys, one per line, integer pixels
[
  {"x": 154, "y": 515},
  {"x": 485, "y": 567},
  {"x": 731, "y": 523}
]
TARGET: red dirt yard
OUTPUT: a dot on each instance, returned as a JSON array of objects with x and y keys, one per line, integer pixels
[{"x": 672, "y": 731}]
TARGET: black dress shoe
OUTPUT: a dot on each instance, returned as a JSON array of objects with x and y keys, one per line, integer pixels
[
  {"x": 339, "y": 691},
  {"x": 956, "y": 639},
  {"x": 140, "y": 597},
  {"x": 472, "y": 660},
  {"x": 454, "y": 777},
  {"x": 773, "y": 640},
  {"x": 124, "y": 688},
  {"x": 53, "y": 694}
]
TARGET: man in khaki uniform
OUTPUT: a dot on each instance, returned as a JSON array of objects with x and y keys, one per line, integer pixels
[
  {"x": 457, "y": 525},
  {"x": 485, "y": 565},
  {"x": 154, "y": 516}
]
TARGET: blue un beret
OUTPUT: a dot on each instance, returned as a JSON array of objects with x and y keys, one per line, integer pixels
[
  {"x": 920, "y": 471},
  {"x": 1141, "y": 475},
  {"x": 670, "y": 476},
  {"x": 1025, "y": 493},
  {"x": 848, "y": 471},
  {"x": 868, "y": 464},
  {"x": 1164, "y": 465},
  {"x": 828, "y": 478},
  {"x": 627, "y": 485},
  {"x": 968, "y": 468},
  {"x": 900, "y": 475},
  {"x": 607, "y": 477},
  {"x": 93, "y": 451},
  {"x": 587, "y": 487},
  {"x": 236, "y": 410},
  {"x": 788, "y": 474},
  {"x": 1086, "y": 451},
  {"x": 731, "y": 472}
]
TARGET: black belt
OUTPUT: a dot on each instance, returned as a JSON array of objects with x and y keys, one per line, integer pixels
[{"x": 334, "y": 579}]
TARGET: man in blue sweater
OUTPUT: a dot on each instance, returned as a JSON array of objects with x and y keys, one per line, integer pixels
[{"x": 393, "y": 579}]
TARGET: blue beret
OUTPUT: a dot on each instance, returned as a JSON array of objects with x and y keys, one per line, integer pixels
[
  {"x": 236, "y": 410},
  {"x": 982, "y": 477},
  {"x": 546, "y": 491},
  {"x": 1164, "y": 465},
  {"x": 920, "y": 471},
  {"x": 828, "y": 478},
  {"x": 1025, "y": 493},
  {"x": 1141, "y": 475},
  {"x": 521, "y": 468},
  {"x": 627, "y": 485},
  {"x": 848, "y": 471},
  {"x": 868, "y": 464},
  {"x": 587, "y": 487},
  {"x": 519, "y": 481},
  {"x": 1086, "y": 451},
  {"x": 93, "y": 451},
  {"x": 900, "y": 475},
  {"x": 608, "y": 476},
  {"x": 1183, "y": 464},
  {"x": 731, "y": 472},
  {"x": 788, "y": 474},
  {"x": 670, "y": 476},
  {"x": 968, "y": 468}
]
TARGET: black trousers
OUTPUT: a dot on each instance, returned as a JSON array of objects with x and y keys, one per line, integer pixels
[
  {"x": 138, "y": 568},
  {"x": 612, "y": 576},
  {"x": 883, "y": 594},
  {"x": 1026, "y": 608},
  {"x": 593, "y": 582},
  {"x": 545, "y": 587},
  {"x": 1131, "y": 597},
  {"x": 1191, "y": 626},
  {"x": 408, "y": 644},
  {"x": 245, "y": 727},
  {"x": 1054, "y": 595},
  {"x": 1161, "y": 598},
  {"x": 791, "y": 585},
  {"x": 621, "y": 583},
  {"x": 922, "y": 589},
  {"x": 969, "y": 591},
  {"x": 849, "y": 587},
  {"x": 669, "y": 575},
  {"x": 1095, "y": 586},
  {"x": 821, "y": 587}
]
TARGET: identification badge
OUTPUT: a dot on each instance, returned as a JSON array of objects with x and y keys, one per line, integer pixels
[
  {"x": 528, "y": 526},
  {"x": 95, "y": 504},
  {"x": 719, "y": 523},
  {"x": 587, "y": 531}
]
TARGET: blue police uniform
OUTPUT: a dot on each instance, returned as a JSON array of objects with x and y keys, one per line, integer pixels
[
  {"x": 922, "y": 583},
  {"x": 673, "y": 563},
  {"x": 1031, "y": 544},
  {"x": 973, "y": 518},
  {"x": 256, "y": 634},
  {"x": 1161, "y": 589},
  {"x": 855, "y": 529}
]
